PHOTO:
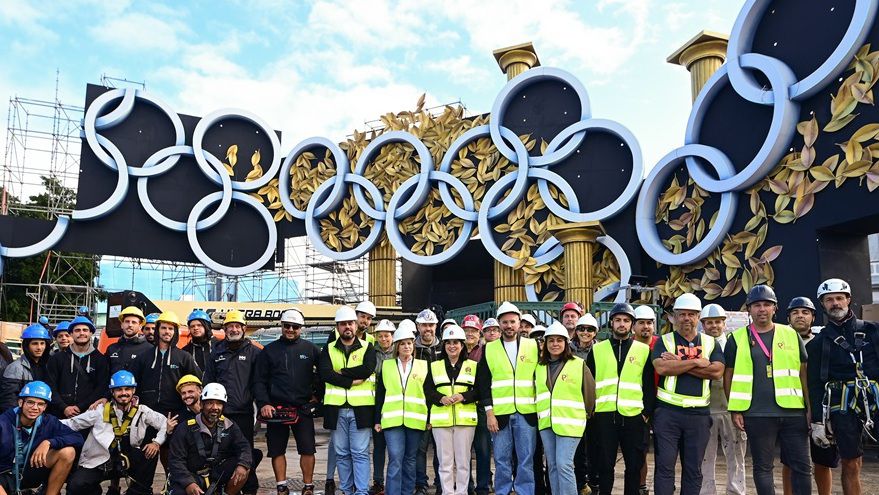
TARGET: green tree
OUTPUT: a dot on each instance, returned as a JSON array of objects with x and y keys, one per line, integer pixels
[{"x": 18, "y": 272}]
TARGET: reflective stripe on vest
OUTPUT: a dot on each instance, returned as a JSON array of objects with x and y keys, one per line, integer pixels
[
  {"x": 785, "y": 370},
  {"x": 666, "y": 392},
  {"x": 563, "y": 409},
  {"x": 456, "y": 414},
  {"x": 357, "y": 395},
  {"x": 512, "y": 391},
  {"x": 404, "y": 407},
  {"x": 621, "y": 393}
]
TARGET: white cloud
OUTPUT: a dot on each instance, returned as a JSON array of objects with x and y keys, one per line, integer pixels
[
  {"x": 139, "y": 32},
  {"x": 462, "y": 70}
]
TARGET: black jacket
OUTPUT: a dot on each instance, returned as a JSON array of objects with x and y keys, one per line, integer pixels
[
  {"x": 827, "y": 358},
  {"x": 235, "y": 369},
  {"x": 344, "y": 378},
  {"x": 648, "y": 380},
  {"x": 157, "y": 377},
  {"x": 483, "y": 385},
  {"x": 17, "y": 375},
  {"x": 185, "y": 459},
  {"x": 286, "y": 373},
  {"x": 124, "y": 351},
  {"x": 470, "y": 394},
  {"x": 200, "y": 352},
  {"x": 77, "y": 381}
]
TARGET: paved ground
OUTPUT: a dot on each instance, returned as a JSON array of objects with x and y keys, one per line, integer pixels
[{"x": 267, "y": 484}]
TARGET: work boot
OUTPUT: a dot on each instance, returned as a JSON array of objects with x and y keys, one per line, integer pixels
[
  {"x": 420, "y": 490},
  {"x": 308, "y": 490},
  {"x": 283, "y": 490},
  {"x": 330, "y": 487},
  {"x": 377, "y": 488},
  {"x": 586, "y": 490},
  {"x": 643, "y": 490}
]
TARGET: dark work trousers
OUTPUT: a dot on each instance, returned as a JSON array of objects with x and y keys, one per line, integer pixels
[
  {"x": 87, "y": 481},
  {"x": 541, "y": 483},
  {"x": 482, "y": 448},
  {"x": 421, "y": 462},
  {"x": 675, "y": 432},
  {"x": 246, "y": 423},
  {"x": 792, "y": 436},
  {"x": 581, "y": 462},
  {"x": 379, "y": 446},
  {"x": 611, "y": 431},
  {"x": 592, "y": 451},
  {"x": 220, "y": 475}
]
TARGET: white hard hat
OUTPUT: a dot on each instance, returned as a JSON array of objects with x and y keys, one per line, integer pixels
[
  {"x": 507, "y": 307},
  {"x": 448, "y": 321},
  {"x": 530, "y": 319},
  {"x": 688, "y": 302},
  {"x": 557, "y": 329},
  {"x": 588, "y": 320},
  {"x": 454, "y": 332},
  {"x": 409, "y": 325},
  {"x": 293, "y": 316},
  {"x": 490, "y": 322},
  {"x": 426, "y": 316},
  {"x": 366, "y": 307},
  {"x": 214, "y": 391},
  {"x": 712, "y": 311},
  {"x": 345, "y": 313},
  {"x": 385, "y": 326},
  {"x": 833, "y": 285},
  {"x": 645, "y": 312},
  {"x": 538, "y": 329},
  {"x": 403, "y": 333}
]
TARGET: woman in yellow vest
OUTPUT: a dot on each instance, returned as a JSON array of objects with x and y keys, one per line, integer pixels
[
  {"x": 565, "y": 399},
  {"x": 403, "y": 414},
  {"x": 450, "y": 390}
]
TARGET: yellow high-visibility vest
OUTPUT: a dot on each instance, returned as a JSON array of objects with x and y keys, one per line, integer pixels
[{"x": 785, "y": 370}]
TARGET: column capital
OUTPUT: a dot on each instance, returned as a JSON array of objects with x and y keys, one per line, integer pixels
[
  {"x": 703, "y": 45},
  {"x": 513, "y": 60},
  {"x": 578, "y": 232}
]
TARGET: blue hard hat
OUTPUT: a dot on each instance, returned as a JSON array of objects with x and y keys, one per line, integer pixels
[
  {"x": 64, "y": 326},
  {"x": 43, "y": 321},
  {"x": 35, "y": 331},
  {"x": 122, "y": 378},
  {"x": 198, "y": 314},
  {"x": 37, "y": 389},
  {"x": 82, "y": 320},
  {"x": 152, "y": 318}
]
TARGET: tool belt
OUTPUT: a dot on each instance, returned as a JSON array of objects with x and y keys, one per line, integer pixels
[
  {"x": 284, "y": 415},
  {"x": 117, "y": 466},
  {"x": 860, "y": 396}
]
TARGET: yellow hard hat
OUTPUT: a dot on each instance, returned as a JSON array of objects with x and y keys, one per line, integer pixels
[
  {"x": 187, "y": 379},
  {"x": 234, "y": 316},
  {"x": 132, "y": 311},
  {"x": 169, "y": 317}
]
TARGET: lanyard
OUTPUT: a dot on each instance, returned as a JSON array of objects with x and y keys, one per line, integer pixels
[
  {"x": 27, "y": 451},
  {"x": 767, "y": 352}
]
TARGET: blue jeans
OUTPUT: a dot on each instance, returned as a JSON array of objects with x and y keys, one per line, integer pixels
[
  {"x": 559, "y": 453},
  {"x": 352, "y": 453},
  {"x": 402, "y": 446},
  {"x": 522, "y": 437},
  {"x": 331, "y": 459}
]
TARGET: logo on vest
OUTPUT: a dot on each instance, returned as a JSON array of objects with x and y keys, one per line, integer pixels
[
  {"x": 242, "y": 358},
  {"x": 780, "y": 345}
]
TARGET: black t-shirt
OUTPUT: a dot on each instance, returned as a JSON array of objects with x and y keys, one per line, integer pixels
[
  {"x": 687, "y": 384},
  {"x": 763, "y": 403}
]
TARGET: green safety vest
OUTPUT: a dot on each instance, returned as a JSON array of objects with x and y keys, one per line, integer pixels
[
  {"x": 620, "y": 392},
  {"x": 512, "y": 390},
  {"x": 563, "y": 409},
  {"x": 404, "y": 407},
  {"x": 357, "y": 395},
  {"x": 785, "y": 370},
  {"x": 456, "y": 414},
  {"x": 666, "y": 392}
]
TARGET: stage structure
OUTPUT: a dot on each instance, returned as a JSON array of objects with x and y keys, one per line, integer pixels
[{"x": 537, "y": 199}]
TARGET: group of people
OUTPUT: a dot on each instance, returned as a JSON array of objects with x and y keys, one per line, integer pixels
[{"x": 551, "y": 406}]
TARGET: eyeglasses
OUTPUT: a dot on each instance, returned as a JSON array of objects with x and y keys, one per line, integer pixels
[
  {"x": 39, "y": 404},
  {"x": 292, "y": 325},
  {"x": 585, "y": 329}
]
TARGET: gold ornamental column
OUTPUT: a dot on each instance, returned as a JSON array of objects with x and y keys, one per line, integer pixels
[
  {"x": 509, "y": 284},
  {"x": 383, "y": 274},
  {"x": 702, "y": 56},
  {"x": 578, "y": 241}
]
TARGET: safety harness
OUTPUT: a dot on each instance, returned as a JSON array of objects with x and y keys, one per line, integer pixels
[
  {"x": 860, "y": 395},
  {"x": 18, "y": 469},
  {"x": 210, "y": 457},
  {"x": 119, "y": 462}
]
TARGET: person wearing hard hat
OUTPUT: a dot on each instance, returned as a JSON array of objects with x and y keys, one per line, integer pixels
[
  {"x": 491, "y": 330},
  {"x": 37, "y": 451},
  {"x": 722, "y": 434},
  {"x": 121, "y": 353},
  {"x": 473, "y": 332},
  {"x": 402, "y": 417},
  {"x": 30, "y": 366},
  {"x": 473, "y": 350},
  {"x": 446, "y": 323},
  {"x": 644, "y": 327},
  {"x": 686, "y": 361},
  {"x": 117, "y": 445},
  {"x": 346, "y": 366},
  {"x": 78, "y": 374},
  {"x": 526, "y": 325},
  {"x": 61, "y": 333},
  {"x": 565, "y": 401},
  {"x": 149, "y": 328},
  {"x": 158, "y": 372},
  {"x": 801, "y": 316},
  {"x": 570, "y": 313},
  {"x": 428, "y": 348},
  {"x": 366, "y": 312},
  {"x": 843, "y": 373},
  {"x": 286, "y": 378},
  {"x": 582, "y": 345},
  {"x": 189, "y": 388},
  {"x": 584, "y": 335},
  {"x": 537, "y": 333},
  {"x": 507, "y": 390},
  {"x": 384, "y": 350},
  {"x": 200, "y": 335},
  {"x": 209, "y": 450},
  {"x": 625, "y": 398},
  {"x": 765, "y": 380}
]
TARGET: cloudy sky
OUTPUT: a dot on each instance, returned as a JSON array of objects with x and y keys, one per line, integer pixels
[{"x": 325, "y": 67}]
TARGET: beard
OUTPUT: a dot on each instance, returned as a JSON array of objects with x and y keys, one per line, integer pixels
[{"x": 838, "y": 313}]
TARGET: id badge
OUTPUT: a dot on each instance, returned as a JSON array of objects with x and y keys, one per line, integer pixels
[{"x": 768, "y": 371}]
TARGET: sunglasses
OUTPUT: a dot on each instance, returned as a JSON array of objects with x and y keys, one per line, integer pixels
[
  {"x": 585, "y": 329},
  {"x": 292, "y": 325}
]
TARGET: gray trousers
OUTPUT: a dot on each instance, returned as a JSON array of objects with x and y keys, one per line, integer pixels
[{"x": 725, "y": 435}]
